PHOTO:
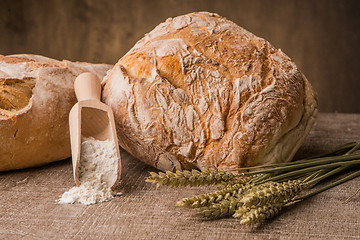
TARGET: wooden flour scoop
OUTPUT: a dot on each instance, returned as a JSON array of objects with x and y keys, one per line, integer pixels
[{"x": 90, "y": 118}]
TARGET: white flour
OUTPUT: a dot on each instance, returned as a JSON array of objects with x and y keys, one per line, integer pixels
[{"x": 97, "y": 173}]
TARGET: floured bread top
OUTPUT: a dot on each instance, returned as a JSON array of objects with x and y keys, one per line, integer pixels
[
  {"x": 18, "y": 76},
  {"x": 17, "y": 80},
  {"x": 200, "y": 91}
]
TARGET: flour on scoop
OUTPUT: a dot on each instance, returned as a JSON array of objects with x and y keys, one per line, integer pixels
[{"x": 97, "y": 173}]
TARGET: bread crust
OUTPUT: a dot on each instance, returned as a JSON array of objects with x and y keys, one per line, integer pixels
[
  {"x": 36, "y": 95},
  {"x": 201, "y": 92}
]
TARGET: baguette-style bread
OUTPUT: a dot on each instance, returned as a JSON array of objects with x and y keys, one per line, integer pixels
[
  {"x": 201, "y": 92},
  {"x": 36, "y": 95}
]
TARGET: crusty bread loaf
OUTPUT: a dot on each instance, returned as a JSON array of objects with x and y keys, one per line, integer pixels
[
  {"x": 36, "y": 95},
  {"x": 201, "y": 92}
]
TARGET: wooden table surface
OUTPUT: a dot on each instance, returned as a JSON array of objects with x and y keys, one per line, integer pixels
[{"x": 28, "y": 209}]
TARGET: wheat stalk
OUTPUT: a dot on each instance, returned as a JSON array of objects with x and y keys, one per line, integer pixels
[{"x": 259, "y": 193}]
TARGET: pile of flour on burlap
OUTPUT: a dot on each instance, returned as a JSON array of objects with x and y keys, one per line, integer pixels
[{"x": 97, "y": 173}]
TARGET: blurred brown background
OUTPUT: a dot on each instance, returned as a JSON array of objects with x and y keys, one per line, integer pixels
[{"x": 322, "y": 36}]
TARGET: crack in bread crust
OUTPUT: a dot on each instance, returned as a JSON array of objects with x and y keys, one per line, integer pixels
[
  {"x": 15, "y": 94},
  {"x": 207, "y": 94}
]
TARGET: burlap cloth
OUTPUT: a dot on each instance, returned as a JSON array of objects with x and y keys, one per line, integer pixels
[{"x": 28, "y": 209}]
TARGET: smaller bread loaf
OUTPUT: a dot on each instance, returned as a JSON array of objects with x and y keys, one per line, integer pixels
[
  {"x": 36, "y": 95},
  {"x": 201, "y": 92}
]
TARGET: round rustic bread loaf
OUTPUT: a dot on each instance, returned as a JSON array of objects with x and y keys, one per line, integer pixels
[
  {"x": 36, "y": 95},
  {"x": 201, "y": 92}
]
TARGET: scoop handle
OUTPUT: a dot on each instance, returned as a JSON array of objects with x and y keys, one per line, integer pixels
[{"x": 87, "y": 86}]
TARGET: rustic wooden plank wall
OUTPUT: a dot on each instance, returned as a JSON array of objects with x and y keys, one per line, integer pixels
[{"x": 321, "y": 36}]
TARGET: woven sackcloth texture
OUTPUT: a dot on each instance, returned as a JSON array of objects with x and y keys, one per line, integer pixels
[{"x": 28, "y": 209}]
